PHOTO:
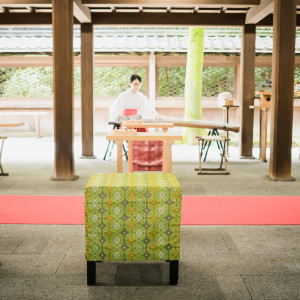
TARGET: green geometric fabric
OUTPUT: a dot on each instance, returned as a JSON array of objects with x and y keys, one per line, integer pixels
[{"x": 132, "y": 217}]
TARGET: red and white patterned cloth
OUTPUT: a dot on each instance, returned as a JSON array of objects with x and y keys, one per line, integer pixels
[{"x": 147, "y": 155}]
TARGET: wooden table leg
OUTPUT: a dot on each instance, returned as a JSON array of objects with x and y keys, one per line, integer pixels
[
  {"x": 129, "y": 155},
  {"x": 169, "y": 156},
  {"x": 263, "y": 128},
  {"x": 226, "y": 120},
  {"x": 200, "y": 145},
  {"x": 37, "y": 126},
  {"x": 119, "y": 156},
  {"x": 164, "y": 162},
  {"x": 2, "y": 173}
]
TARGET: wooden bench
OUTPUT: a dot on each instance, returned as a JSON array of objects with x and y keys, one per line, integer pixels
[
  {"x": 2, "y": 173},
  {"x": 3, "y": 138},
  {"x": 26, "y": 112},
  {"x": 205, "y": 141}
]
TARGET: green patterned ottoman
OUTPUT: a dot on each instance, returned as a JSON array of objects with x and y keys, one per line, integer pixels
[{"x": 132, "y": 217}]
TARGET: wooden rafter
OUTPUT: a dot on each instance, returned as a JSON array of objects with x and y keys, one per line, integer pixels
[
  {"x": 81, "y": 12},
  {"x": 181, "y": 3},
  {"x": 171, "y": 19},
  {"x": 257, "y": 13},
  {"x": 152, "y": 19},
  {"x": 24, "y": 3}
]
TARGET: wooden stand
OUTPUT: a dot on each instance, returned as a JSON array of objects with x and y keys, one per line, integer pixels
[
  {"x": 263, "y": 133},
  {"x": 3, "y": 138},
  {"x": 226, "y": 119},
  {"x": 167, "y": 139},
  {"x": 2, "y": 173},
  {"x": 202, "y": 140}
]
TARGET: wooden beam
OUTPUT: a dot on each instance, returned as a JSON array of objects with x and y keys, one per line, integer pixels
[
  {"x": 268, "y": 21},
  {"x": 153, "y": 19},
  {"x": 63, "y": 102},
  {"x": 21, "y": 61},
  {"x": 23, "y": 3},
  {"x": 257, "y": 13},
  {"x": 247, "y": 66},
  {"x": 165, "y": 19},
  {"x": 26, "y": 19},
  {"x": 81, "y": 12},
  {"x": 283, "y": 66},
  {"x": 87, "y": 97},
  {"x": 172, "y": 3},
  {"x": 140, "y": 19}
]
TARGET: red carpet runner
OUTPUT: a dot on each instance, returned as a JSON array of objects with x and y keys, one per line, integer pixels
[{"x": 196, "y": 210}]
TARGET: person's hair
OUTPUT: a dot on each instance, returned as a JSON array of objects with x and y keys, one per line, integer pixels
[{"x": 134, "y": 77}]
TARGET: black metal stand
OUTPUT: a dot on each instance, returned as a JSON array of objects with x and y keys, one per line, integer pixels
[
  {"x": 207, "y": 144},
  {"x": 111, "y": 144},
  {"x": 213, "y": 132}
]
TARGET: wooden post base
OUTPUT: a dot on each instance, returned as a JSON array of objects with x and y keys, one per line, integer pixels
[
  {"x": 279, "y": 179},
  {"x": 75, "y": 177}
]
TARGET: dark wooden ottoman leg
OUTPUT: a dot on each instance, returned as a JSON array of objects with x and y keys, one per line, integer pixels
[
  {"x": 174, "y": 272},
  {"x": 91, "y": 272}
]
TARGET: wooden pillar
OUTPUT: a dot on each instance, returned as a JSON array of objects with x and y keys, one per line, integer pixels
[
  {"x": 152, "y": 79},
  {"x": 62, "y": 21},
  {"x": 87, "y": 78},
  {"x": 247, "y": 71},
  {"x": 283, "y": 66}
]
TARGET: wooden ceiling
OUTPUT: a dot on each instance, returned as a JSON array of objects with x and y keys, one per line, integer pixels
[{"x": 144, "y": 12}]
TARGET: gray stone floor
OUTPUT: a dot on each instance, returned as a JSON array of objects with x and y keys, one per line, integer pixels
[{"x": 217, "y": 262}]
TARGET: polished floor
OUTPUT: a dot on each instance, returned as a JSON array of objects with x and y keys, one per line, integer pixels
[{"x": 217, "y": 262}]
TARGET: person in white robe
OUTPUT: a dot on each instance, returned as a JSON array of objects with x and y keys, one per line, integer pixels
[{"x": 132, "y": 99}]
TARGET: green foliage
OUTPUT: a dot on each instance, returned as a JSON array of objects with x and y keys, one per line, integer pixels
[
  {"x": 77, "y": 81},
  {"x": 38, "y": 81},
  {"x": 297, "y": 75},
  {"x": 26, "y": 82},
  {"x": 111, "y": 81},
  {"x": 263, "y": 79},
  {"x": 217, "y": 80},
  {"x": 171, "y": 81},
  {"x": 5, "y": 75}
]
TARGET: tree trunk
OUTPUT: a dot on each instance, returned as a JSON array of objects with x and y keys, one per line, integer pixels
[{"x": 193, "y": 83}]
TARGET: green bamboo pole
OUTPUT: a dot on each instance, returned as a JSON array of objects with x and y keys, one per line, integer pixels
[{"x": 193, "y": 83}]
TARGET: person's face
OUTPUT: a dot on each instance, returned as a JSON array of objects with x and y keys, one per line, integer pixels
[{"x": 135, "y": 85}]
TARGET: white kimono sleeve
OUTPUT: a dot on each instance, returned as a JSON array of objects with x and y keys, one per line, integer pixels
[
  {"x": 147, "y": 111},
  {"x": 116, "y": 108}
]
